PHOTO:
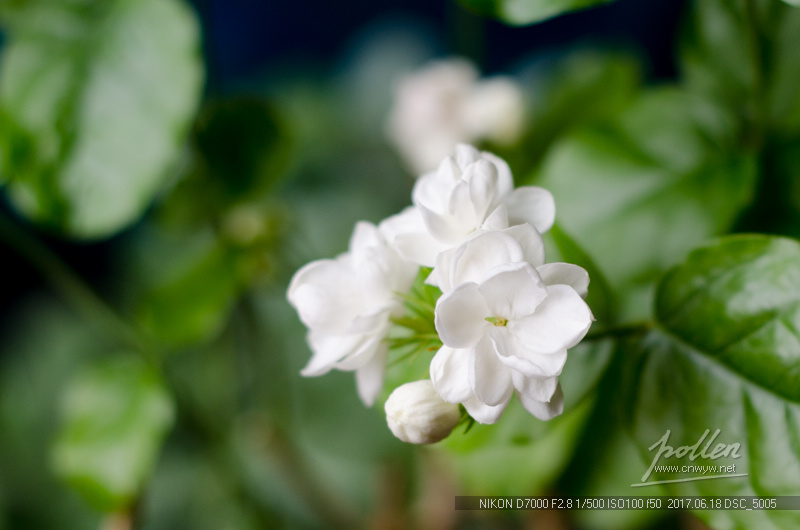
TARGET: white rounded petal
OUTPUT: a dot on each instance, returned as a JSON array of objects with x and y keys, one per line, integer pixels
[
  {"x": 505, "y": 180},
  {"x": 408, "y": 221},
  {"x": 531, "y": 242},
  {"x": 483, "y": 413},
  {"x": 566, "y": 274},
  {"x": 490, "y": 379},
  {"x": 462, "y": 208},
  {"x": 420, "y": 248},
  {"x": 432, "y": 190},
  {"x": 442, "y": 227},
  {"x": 450, "y": 374},
  {"x": 532, "y": 205},
  {"x": 466, "y": 155},
  {"x": 559, "y": 322},
  {"x": 369, "y": 322},
  {"x": 544, "y": 410},
  {"x": 513, "y": 290},
  {"x": 482, "y": 178},
  {"x": 416, "y": 414},
  {"x": 365, "y": 235},
  {"x": 459, "y": 316},
  {"x": 534, "y": 388},
  {"x": 440, "y": 275},
  {"x": 529, "y": 363},
  {"x": 372, "y": 345},
  {"x": 328, "y": 350},
  {"x": 369, "y": 377},
  {"x": 496, "y": 220},
  {"x": 325, "y": 294},
  {"x": 479, "y": 255}
]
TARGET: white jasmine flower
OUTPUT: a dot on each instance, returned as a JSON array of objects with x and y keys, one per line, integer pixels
[
  {"x": 416, "y": 414},
  {"x": 347, "y": 303},
  {"x": 506, "y": 325},
  {"x": 447, "y": 103},
  {"x": 468, "y": 192}
]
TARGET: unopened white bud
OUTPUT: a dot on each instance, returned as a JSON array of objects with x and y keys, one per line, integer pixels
[{"x": 416, "y": 414}]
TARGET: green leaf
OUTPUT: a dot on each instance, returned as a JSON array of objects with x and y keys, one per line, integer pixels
[
  {"x": 577, "y": 89},
  {"x": 115, "y": 416},
  {"x": 191, "y": 303},
  {"x": 642, "y": 190},
  {"x": 726, "y": 357},
  {"x": 519, "y": 453},
  {"x": 100, "y": 96},
  {"x": 744, "y": 54},
  {"x": 241, "y": 153},
  {"x": 522, "y": 12}
]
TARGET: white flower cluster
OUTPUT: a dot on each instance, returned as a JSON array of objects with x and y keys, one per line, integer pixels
[
  {"x": 447, "y": 102},
  {"x": 505, "y": 317}
]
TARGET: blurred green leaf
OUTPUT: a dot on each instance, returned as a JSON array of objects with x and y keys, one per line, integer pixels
[
  {"x": 191, "y": 303},
  {"x": 99, "y": 95},
  {"x": 41, "y": 345},
  {"x": 642, "y": 190},
  {"x": 745, "y": 55},
  {"x": 521, "y": 12},
  {"x": 242, "y": 152},
  {"x": 582, "y": 87},
  {"x": 726, "y": 356},
  {"x": 518, "y": 454},
  {"x": 116, "y": 414}
]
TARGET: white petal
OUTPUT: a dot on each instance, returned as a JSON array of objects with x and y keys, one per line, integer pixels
[
  {"x": 462, "y": 208},
  {"x": 466, "y": 155},
  {"x": 442, "y": 227},
  {"x": 419, "y": 247},
  {"x": 544, "y": 410},
  {"x": 408, "y": 221},
  {"x": 532, "y": 205},
  {"x": 325, "y": 294},
  {"x": 365, "y": 235},
  {"x": 483, "y": 413},
  {"x": 505, "y": 180},
  {"x": 531, "y": 242},
  {"x": 373, "y": 344},
  {"x": 516, "y": 356},
  {"x": 328, "y": 350},
  {"x": 369, "y": 322},
  {"x": 482, "y": 253},
  {"x": 534, "y": 388},
  {"x": 482, "y": 177},
  {"x": 513, "y": 290},
  {"x": 566, "y": 274},
  {"x": 497, "y": 220},
  {"x": 433, "y": 189},
  {"x": 369, "y": 378},
  {"x": 559, "y": 322},
  {"x": 490, "y": 379},
  {"x": 459, "y": 316},
  {"x": 440, "y": 275},
  {"x": 450, "y": 374}
]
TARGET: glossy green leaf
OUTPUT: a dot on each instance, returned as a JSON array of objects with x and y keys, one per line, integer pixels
[
  {"x": 521, "y": 12},
  {"x": 725, "y": 356},
  {"x": 640, "y": 191},
  {"x": 115, "y": 416},
  {"x": 99, "y": 96}
]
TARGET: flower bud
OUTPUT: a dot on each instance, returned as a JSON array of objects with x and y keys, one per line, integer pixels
[{"x": 416, "y": 414}]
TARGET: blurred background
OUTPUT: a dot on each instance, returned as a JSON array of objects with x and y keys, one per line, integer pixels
[{"x": 167, "y": 167}]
